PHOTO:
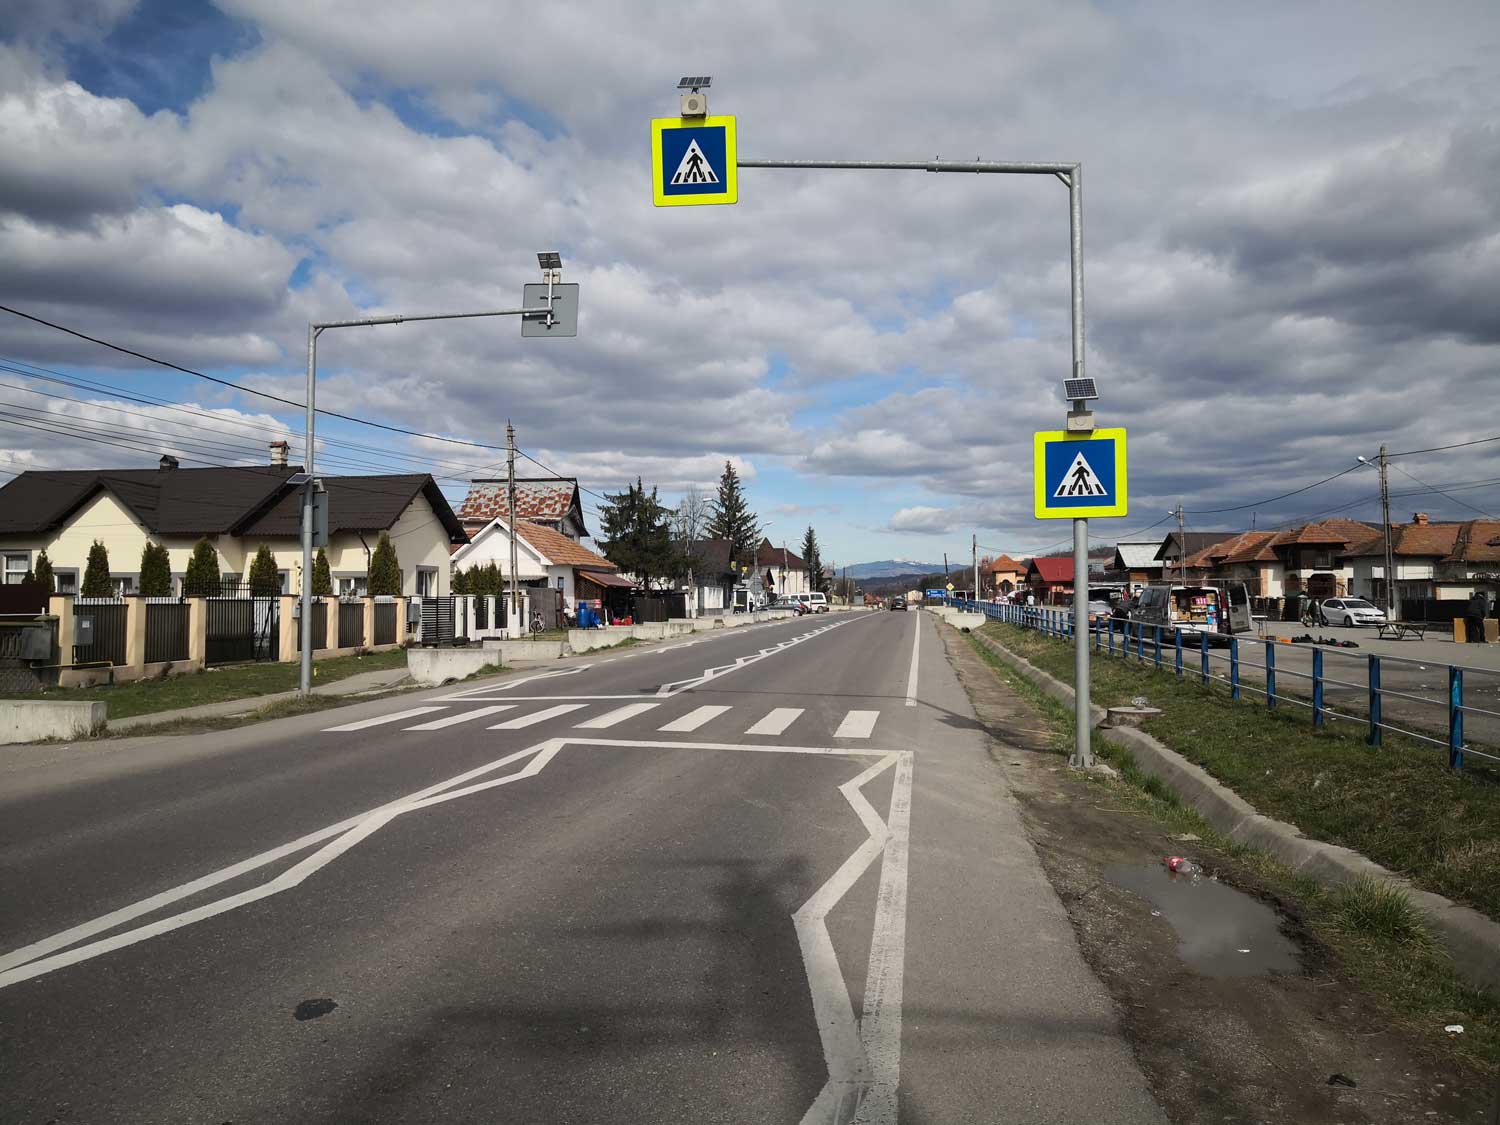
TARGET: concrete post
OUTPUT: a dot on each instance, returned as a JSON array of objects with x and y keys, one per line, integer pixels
[
  {"x": 331, "y": 616},
  {"x": 197, "y": 631},
  {"x": 401, "y": 620},
  {"x": 287, "y": 649},
  {"x": 135, "y": 640},
  {"x": 369, "y": 630},
  {"x": 62, "y": 609}
]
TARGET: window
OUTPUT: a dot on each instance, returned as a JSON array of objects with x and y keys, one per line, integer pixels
[
  {"x": 559, "y": 581},
  {"x": 426, "y": 582},
  {"x": 66, "y": 580},
  {"x": 123, "y": 584},
  {"x": 17, "y": 563},
  {"x": 352, "y": 586}
]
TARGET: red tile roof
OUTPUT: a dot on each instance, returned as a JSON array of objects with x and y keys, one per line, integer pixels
[
  {"x": 1005, "y": 564},
  {"x": 545, "y": 498},
  {"x": 1479, "y": 541},
  {"x": 1053, "y": 570},
  {"x": 561, "y": 550}
]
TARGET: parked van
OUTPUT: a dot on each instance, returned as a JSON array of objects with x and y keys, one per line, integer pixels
[
  {"x": 1216, "y": 610},
  {"x": 817, "y": 602}
]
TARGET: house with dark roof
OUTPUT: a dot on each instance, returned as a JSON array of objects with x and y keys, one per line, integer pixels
[
  {"x": 237, "y": 509},
  {"x": 545, "y": 501},
  {"x": 1312, "y": 558},
  {"x": 547, "y": 558}
]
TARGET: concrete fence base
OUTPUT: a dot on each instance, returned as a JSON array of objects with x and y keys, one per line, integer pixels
[
  {"x": 436, "y": 666},
  {"x": 28, "y": 720}
]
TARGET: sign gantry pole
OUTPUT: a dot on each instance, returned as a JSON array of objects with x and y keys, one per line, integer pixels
[
  {"x": 549, "y": 309},
  {"x": 695, "y": 162}
]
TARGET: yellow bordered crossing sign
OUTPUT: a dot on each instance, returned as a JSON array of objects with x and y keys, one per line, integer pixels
[
  {"x": 693, "y": 161},
  {"x": 1080, "y": 475}
]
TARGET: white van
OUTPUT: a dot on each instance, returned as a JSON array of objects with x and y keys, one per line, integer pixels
[
  {"x": 1215, "y": 610},
  {"x": 817, "y": 602}
]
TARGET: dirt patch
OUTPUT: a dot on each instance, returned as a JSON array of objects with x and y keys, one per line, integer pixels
[{"x": 1252, "y": 1048}]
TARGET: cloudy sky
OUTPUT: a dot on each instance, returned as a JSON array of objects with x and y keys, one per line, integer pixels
[{"x": 1292, "y": 248}]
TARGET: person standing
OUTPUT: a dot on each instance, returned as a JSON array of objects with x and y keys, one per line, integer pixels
[{"x": 1474, "y": 617}]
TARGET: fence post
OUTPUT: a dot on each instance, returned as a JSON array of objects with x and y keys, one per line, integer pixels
[
  {"x": 1234, "y": 668},
  {"x": 1177, "y": 639},
  {"x": 197, "y": 631},
  {"x": 1373, "y": 738},
  {"x": 1140, "y": 642},
  {"x": 135, "y": 640},
  {"x": 286, "y": 636},
  {"x": 1271, "y": 675},
  {"x": 1455, "y": 718},
  {"x": 1156, "y": 644},
  {"x": 1317, "y": 687},
  {"x": 1203, "y": 647},
  {"x": 330, "y": 609},
  {"x": 369, "y": 623}
]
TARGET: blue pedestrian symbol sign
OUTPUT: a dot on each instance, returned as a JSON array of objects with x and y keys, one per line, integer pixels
[
  {"x": 1080, "y": 475},
  {"x": 693, "y": 161}
]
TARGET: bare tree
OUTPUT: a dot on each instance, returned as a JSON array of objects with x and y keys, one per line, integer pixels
[{"x": 693, "y": 513}]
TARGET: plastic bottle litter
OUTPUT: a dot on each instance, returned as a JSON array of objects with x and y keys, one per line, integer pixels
[
  {"x": 1180, "y": 866},
  {"x": 1454, "y": 1029}
]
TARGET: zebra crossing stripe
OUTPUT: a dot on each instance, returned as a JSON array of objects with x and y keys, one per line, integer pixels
[
  {"x": 462, "y": 717},
  {"x": 618, "y": 715},
  {"x": 538, "y": 716},
  {"x": 694, "y": 719},
  {"x": 777, "y": 721},
  {"x": 857, "y": 724},
  {"x": 381, "y": 720}
]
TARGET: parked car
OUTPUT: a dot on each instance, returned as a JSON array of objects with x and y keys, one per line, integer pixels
[
  {"x": 898, "y": 602},
  {"x": 1351, "y": 611},
  {"x": 1099, "y": 610},
  {"x": 818, "y": 601}
]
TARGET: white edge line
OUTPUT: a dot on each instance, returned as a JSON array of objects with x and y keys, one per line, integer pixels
[{"x": 911, "y": 674}]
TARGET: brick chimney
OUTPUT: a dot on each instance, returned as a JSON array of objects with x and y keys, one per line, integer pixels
[
  {"x": 1420, "y": 519},
  {"x": 167, "y": 462},
  {"x": 279, "y": 451}
]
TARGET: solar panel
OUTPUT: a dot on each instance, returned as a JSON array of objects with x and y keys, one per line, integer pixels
[
  {"x": 550, "y": 260},
  {"x": 1076, "y": 389},
  {"x": 702, "y": 82}
]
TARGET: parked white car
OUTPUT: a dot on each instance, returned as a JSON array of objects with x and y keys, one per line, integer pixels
[{"x": 1351, "y": 611}]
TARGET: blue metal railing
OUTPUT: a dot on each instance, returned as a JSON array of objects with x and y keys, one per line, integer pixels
[{"x": 1133, "y": 644}]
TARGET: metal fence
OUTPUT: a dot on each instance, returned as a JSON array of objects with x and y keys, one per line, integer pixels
[
  {"x": 351, "y": 624},
  {"x": 385, "y": 623},
  {"x": 659, "y": 607},
  {"x": 108, "y": 644},
  {"x": 241, "y": 629},
  {"x": 1380, "y": 692},
  {"x": 319, "y": 627},
  {"x": 166, "y": 631}
]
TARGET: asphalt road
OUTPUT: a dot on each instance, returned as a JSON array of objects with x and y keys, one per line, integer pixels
[{"x": 765, "y": 875}]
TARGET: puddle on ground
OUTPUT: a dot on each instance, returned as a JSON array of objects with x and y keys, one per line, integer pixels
[
  {"x": 315, "y": 1008},
  {"x": 1214, "y": 922}
]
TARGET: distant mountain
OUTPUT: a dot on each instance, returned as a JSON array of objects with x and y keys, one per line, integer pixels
[{"x": 890, "y": 568}]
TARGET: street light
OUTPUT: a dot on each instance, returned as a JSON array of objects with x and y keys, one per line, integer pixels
[
  {"x": 1385, "y": 511},
  {"x": 551, "y": 264}
]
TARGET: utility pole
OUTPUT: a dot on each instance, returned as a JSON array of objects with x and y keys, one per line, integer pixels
[
  {"x": 510, "y": 497},
  {"x": 1390, "y": 554},
  {"x": 1181, "y": 544},
  {"x": 945, "y": 574},
  {"x": 974, "y": 550}
]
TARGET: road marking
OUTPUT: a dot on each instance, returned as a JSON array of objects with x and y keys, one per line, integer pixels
[
  {"x": 618, "y": 715},
  {"x": 911, "y": 674},
  {"x": 695, "y": 718},
  {"x": 777, "y": 721},
  {"x": 857, "y": 724},
  {"x": 522, "y": 721},
  {"x": 462, "y": 717},
  {"x": 380, "y": 720}
]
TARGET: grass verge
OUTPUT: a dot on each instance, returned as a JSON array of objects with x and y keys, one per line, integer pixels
[
  {"x": 1379, "y": 938},
  {"x": 218, "y": 685},
  {"x": 1399, "y": 804}
]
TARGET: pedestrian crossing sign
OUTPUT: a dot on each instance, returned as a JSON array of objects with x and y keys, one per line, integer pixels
[
  {"x": 693, "y": 161},
  {"x": 1080, "y": 475}
]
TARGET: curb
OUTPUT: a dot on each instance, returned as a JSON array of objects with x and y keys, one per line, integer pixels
[{"x": 1471, "y": 938}]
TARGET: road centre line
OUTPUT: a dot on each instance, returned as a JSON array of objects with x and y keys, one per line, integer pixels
[{"x": 911, "y": 674}]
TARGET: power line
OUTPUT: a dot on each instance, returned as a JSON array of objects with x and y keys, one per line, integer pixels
[
  {"x": 1440, "y": 492},
  {"x": 1441, "y": 448}
]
